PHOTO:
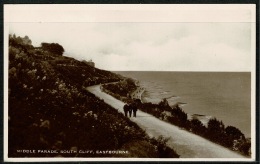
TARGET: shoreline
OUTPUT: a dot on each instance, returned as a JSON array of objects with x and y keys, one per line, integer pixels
[
  {"x": 216, "y": 101},
  {"x": 137, "y": 94},
  {"x": 181, "y": 140},
  {"x": 204, "y": 119}
]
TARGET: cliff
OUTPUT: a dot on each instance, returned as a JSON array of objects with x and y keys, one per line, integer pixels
[{"x": 50, "y": 113}]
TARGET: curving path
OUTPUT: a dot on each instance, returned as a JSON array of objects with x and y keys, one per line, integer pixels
[
  {"x": 186, "y": 144},
  {"x": 137, "y": 94}
]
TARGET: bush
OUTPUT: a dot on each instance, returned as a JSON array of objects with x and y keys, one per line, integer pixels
[
  {"x": 163, "y": 149},
  {"x": 234, "y": 133},
  {"x": 245, "y": 148},
  {"x": 179, "y": 117},
  {"x": 122, "y": 88},
  {"x": 197, "y": 127},
  {"x": 54, "y": 48}
]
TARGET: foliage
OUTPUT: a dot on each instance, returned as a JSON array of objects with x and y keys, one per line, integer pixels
[
  {"x": 197, "y": 127},
  {"x": 245, "y": 147},
  {"x": 215, "y": 130},
  {"x": 122, "y": 88},
  {"x": 49, "y": 109},
  {"x": 163, "y": 149},
  {"x": 234, "y": 133},
  {"x": 21, "y": 43},
  {"x": 179, "y": 117},
  {"x": 54, "y": 48}
]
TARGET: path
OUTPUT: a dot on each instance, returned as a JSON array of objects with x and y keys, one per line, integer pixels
[
  {"x": 186, "y": 144},
  {"x": 137, "y": 94}
]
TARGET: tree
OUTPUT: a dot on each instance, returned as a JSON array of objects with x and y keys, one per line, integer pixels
[
  {"x": 216, "y": 131},
  {"x": 27, "y": 40},
  {"x": 179, "y": 117},
  {"x": 245, "y": 148},
  {"x": 197, "y": 127},
  {"x": 130, "y": 82},
  {"x": 179, "y": 113},
  {"x": 54, "y": 48},
  {"x": 215, "y": 126},
  {"x": 234, "y": 133},
  {"x": 163, "y": 103},
  {"x": 23, "y": 44}
]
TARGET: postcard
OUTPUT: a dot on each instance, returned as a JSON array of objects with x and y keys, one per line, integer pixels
[{"x": 129, "y": 82}]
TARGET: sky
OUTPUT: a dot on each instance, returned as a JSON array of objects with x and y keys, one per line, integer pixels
[{"x": 143, "y": 37}]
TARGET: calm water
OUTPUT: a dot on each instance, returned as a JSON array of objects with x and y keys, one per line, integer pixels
[{"x": 225, "y": 96}]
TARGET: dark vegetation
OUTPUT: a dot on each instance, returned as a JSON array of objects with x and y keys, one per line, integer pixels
[
  {"x": 121, "y": 90},
  {"x": 53, "y": 48},
  {"x": 230, "y": 137},
  {"x": 49, "y": 108}
]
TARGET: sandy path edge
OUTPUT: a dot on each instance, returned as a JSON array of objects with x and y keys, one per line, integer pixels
[{"x": 186, "y": 144}]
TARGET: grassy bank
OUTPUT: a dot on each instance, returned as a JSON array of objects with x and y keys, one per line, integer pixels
[{"x": 51, "y": 113}]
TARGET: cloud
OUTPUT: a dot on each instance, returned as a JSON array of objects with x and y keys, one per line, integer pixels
[{"x": 149, "y": 46}]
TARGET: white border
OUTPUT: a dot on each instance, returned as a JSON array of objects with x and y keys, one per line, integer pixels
[
  {"x": 129, "y": 13},
  {"x": 6, "y": 67},
  {"x": 253, "y": 86},
  {"x": 8, "y": 9}
]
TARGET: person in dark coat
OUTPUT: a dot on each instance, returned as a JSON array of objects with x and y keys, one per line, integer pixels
[
  {"x": 134, "y": 107},
  {"x": 126, "y": 108},
  {"x": 130, "y": 109}
]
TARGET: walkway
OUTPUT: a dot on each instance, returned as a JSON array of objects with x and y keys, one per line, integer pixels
[{"x": 186, "y": 144}]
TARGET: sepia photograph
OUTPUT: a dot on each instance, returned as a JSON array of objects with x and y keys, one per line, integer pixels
[{"x": 132, "y": 82}]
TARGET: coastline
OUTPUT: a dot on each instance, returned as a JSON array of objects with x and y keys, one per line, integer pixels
[
  {"x": 180, "y": 139},
  {"x": 220, "y": 95},
  {"x": 189, "y": 125},
  {"x": 137, "y": 94}
]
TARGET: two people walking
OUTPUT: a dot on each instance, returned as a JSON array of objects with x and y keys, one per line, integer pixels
[{"x": 129, "y": 108}]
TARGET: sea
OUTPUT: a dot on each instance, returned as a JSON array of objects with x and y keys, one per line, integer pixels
[{"x": 223, "y": 95}]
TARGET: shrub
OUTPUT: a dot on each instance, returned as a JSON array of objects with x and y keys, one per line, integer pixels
[
  {"x": 234, "y": 133},
  {"x": 197, "y": 127},
  {"x": 54, "y": 48},
  {"x": 163, "y": 149}
]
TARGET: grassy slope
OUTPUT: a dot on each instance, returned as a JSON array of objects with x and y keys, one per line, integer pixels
[{"x": 50, "y": 110}]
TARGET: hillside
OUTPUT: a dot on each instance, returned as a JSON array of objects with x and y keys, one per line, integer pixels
[{"x": 50, "y": 114}]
